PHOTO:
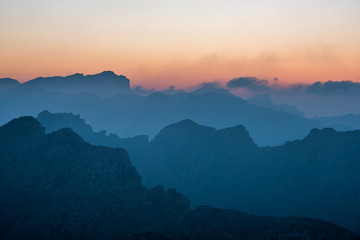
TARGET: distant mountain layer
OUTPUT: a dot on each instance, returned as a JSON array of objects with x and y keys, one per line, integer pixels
[
  {"x": 108, "y": 102},
  {"x": 341, "y": 123},
  {"x": 106, "y": 83},
  {"x": 56, "y": 121},
  {"x": 8, "y": 83},
  {"x": 265, "y": 101},
  {"x": 129, "y": 115},
  {"x": 314, "y": 177},
  {"x": 59, "y": 187}
]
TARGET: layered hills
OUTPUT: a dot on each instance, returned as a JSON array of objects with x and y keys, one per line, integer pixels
[
  {"x": 107, "y": 102},
  {"x": 60, "y": 187},
  {"x": 313, "y": 177}
]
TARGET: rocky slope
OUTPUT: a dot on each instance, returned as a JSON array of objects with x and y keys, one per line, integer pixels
[
  {"x": 59, "y": 187},
  {"x": 315, "y": 177}
]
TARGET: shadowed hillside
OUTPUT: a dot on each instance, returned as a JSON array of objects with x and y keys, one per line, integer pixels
[
  {"x": 60, "y": 187},
  {"x": 54, "y": 122},
  {"x": 314, "y": 177}
]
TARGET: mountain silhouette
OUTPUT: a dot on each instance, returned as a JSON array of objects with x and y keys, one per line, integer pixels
[
  {"x": 8, "y": 83},
  {"x": 127, "y": 114},
  {"x": 264, "y": 100},
  {"x": 341, "y": 123},
  {"x": 104, "y": 84},
  {"x": 266, "y": 126},
  {"x": 314, "y": 177},
  {"x": 60, "y": 187},
  {"x": 56, "y": 121}
]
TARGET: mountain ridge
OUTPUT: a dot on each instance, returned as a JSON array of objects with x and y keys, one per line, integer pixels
[
  {"x": 116, "y": 108},
  {"x": 106, "y": 83},
  {"x": 62, "y": 187},
  {"x": 224, "y": 167},
  {"x": 8, "y": 83}
]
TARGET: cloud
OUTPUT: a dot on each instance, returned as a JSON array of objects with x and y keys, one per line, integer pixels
[
  {"x": 334, "y": 87},
  {"x": 255, "y": 85},
  {"x": 213, "y": 85},
  {"x": 250, "y": 83},
  {"x": 206, "y": 85}
]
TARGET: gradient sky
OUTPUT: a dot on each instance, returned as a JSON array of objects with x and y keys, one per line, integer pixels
[{"x": 165, "y": 42}]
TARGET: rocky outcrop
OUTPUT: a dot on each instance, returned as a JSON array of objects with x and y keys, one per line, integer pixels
[{"x": 57, "y": 186}]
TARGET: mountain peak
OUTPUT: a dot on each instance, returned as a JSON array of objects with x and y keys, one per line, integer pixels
[
  {"x": 44, "y": 113},
  {"x": 107, "y": 73},
  {"x": 264, "y": 100},
  {"x": 237, "y": 134},
  {"x": 321, "y": 132},
  {"x": 320, "y": 135},
  {"x": 76, "y": 75},
  {"x": 187, "y": 122},
  {"x": 236, "y": 130},
  {"x": 22, "y": 126},
  {"x": 187, "y": 125},
  {"x": 47, "y": 114},
  {"x": 106, "y": 83},
  {"x": 8, "y": 80},
  {"x": 7, "y": 83},
  {"x": 185, "y": 129},
  {"x": 66, "y": 135}
]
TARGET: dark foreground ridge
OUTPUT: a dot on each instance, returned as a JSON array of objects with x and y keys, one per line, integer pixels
[
  {"x": 60, "y": 187},
  {"x": 316, "y": 177}
]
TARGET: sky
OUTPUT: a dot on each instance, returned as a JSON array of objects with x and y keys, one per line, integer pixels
[{"x": 165, "y": 42}]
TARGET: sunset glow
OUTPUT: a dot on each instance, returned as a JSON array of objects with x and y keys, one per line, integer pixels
[{"x": 161, "y": 43}]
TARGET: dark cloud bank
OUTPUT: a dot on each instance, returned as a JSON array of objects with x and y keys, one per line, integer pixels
[
  {"x": 250, "y": 83},
  {"x": 334, "y": 87},
  {"x": 330, "y": 87}
]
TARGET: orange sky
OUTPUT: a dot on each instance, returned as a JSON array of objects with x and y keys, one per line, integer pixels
[{"x": 183, "y": 43}]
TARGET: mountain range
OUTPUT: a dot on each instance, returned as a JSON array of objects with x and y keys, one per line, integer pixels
[
  {"x": 314, "y": 177},
  {"x": 8, "y": 83},
  {"x": 127, "y": 114},
  {"x": 60, "y": 187},
  {"x": 106, "y": 100},
  {"x": 104, "y": 84},
  {"x": 342, "y": 123},
  {"x": 264, "y": 100}
]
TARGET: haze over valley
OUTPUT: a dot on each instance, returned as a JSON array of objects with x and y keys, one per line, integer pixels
[{"x": 179, "y": 120}]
